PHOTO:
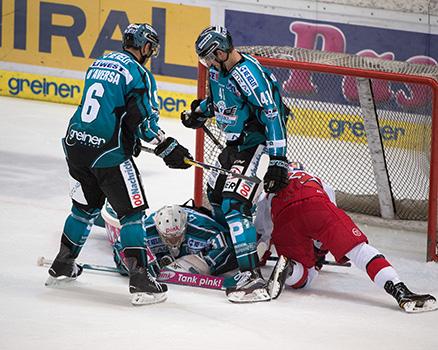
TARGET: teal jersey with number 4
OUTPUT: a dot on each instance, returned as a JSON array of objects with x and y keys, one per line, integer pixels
[
  {"x": 119, "y": 106},
  {"x": 248, "y": 107}
]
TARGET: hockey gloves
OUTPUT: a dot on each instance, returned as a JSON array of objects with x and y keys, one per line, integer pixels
[
  {"x": 276, "y": 177},
  {"x": 173, "y": 153},
  {"x": 192, "y": 119}
]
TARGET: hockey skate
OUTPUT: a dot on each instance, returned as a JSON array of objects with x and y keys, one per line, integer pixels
[
  {"x": 283, "y": 268},
  {"x": 409, "y": 301},
  {"x": 63, "y": 271},
  {"x": 145, "y": 289},
  {"x": 250, "y": 288}
]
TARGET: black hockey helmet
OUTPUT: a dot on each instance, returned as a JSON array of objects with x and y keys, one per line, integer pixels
[{"x": 211, "y": 39}]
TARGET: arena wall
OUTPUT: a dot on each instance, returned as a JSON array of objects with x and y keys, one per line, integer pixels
[{"x": 46, "y": 46}]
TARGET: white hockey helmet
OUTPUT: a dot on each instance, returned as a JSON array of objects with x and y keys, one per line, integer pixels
[{"x": 171, "y": 224}]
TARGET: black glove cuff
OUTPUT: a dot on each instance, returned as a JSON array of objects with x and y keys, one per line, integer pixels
[
  {"x": 279, "y": 161},
  {"x": 166, "y": 147}
]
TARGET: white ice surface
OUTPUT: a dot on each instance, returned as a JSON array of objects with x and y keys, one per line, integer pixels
[{"x": 343, "y": 310}]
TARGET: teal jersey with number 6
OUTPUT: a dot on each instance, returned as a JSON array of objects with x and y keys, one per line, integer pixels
[{"x": 119, "y": 106}]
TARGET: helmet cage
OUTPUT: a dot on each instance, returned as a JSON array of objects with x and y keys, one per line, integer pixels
[{"x": 208, "y": 58}]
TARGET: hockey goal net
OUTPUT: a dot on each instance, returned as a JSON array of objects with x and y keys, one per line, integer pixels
[{"x": 365, "y": 125}]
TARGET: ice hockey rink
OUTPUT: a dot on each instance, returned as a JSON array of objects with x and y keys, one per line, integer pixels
[{"x": 342, "y": 310}]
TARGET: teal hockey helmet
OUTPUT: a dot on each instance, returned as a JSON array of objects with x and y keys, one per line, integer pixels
[
  {"x": 139, "y": 34},
  {"x": 212, "y": 39}
]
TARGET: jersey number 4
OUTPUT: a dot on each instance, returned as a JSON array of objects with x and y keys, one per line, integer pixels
[{"x": 91, "y": 105}]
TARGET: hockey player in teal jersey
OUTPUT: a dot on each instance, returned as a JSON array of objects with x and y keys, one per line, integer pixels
[
  {"x": 181, "y": 238},
  {"x": 119, "y": 108},
  {"x": 246, "y": 101}
]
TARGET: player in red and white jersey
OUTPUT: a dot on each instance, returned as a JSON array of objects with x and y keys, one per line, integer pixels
[{"x": 304, "y": 212}]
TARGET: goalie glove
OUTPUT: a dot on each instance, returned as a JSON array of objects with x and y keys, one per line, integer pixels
[
  {"x": 193, "y": 118},
  {"x": 276, "y": 177},
  {"x": 173, "y": 153}
]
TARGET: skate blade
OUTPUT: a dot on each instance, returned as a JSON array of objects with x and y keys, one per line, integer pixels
[
  {"x": 274, "y": 286},
  {"x": 59, "y": 281},
  {"x": 416, "y": 307},
  {"x": 148, "y": 298},
  {"x": 241, "y": 297}
]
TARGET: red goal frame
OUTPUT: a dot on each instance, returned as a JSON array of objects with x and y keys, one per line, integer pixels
[{"x": 431, "y": 254}]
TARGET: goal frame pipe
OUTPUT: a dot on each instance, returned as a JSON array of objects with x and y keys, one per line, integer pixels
[
  {"x": 431, "y": 254},
  {"x": 199, "y": 151}
]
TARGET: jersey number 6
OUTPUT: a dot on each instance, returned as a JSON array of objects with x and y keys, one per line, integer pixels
[{"x": 91, "y": 104}]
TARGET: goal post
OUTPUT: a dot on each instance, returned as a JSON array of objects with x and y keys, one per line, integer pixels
[{"x": 367, "y": 126}]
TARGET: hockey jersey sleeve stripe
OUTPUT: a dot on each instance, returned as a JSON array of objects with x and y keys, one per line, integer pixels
[
  {"x": 240, "y": 77},
  {"x": 275, "y": 129}
]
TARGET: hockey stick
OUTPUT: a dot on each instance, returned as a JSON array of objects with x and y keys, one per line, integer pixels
[
  {"x": 43, "y": 261},
  {"x": 324, "y": 262},
  {"x": 212, "y": 137},
  {"x": 167, "y": 276},
  {"x": 206, "y": 130},
  {"x": 210, "y": 167}
]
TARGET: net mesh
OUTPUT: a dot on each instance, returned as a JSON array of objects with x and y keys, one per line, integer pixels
[{"x": 326, "y": 129}]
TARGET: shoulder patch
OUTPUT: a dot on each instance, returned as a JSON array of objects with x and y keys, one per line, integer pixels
[{"x": 214, "y": 75}]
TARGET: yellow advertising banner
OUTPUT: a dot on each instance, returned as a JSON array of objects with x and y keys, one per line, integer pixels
[
  {"x": 63, "y": 90},
  {"x": 70, "y": 34},
  {"x": 311, "y": 122}
]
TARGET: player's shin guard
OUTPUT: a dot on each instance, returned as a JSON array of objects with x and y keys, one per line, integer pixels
[
  {"x": 243, "y": 234},
  {"x": 252, "y": 287},
  {"x": 77, "y": 227},
  {"x": 133, "y": 238}
]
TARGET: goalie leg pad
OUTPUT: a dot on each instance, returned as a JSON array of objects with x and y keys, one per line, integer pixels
[{"x": 190, "y": 263}]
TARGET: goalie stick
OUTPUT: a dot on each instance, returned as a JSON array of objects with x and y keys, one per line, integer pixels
[
  {"x": 213, "y": 168},
  {"x": 324, "y": 262},
  {"x": 168, "y": 276}
]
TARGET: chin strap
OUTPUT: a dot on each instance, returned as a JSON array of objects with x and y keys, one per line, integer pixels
[{"x": 143, "y": 59}]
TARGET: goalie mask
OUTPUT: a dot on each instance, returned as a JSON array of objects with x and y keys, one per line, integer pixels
[
  {"x": 171, "y": 224},
  {"x": 212, "y": 39}
]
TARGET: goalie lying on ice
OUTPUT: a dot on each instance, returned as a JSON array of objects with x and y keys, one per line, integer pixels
[
  {"x": 179, "y": 237},
  {"x": 304, "y": 212}
]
